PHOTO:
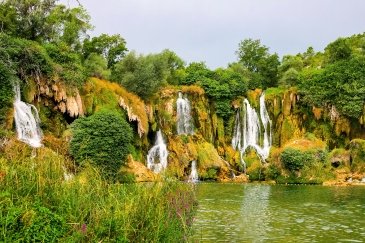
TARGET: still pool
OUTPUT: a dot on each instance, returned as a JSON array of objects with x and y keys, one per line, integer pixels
[{"x": 279, "y": 213}]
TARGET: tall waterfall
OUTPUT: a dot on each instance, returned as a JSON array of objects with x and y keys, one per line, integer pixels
[
  {"x": 253, "y": 130},
  {"x": 157, "y": 155},
  {"x": 184, "y": 121},
  {"x": 193, "y": 177},
  {"x": 26, "y": 121}
]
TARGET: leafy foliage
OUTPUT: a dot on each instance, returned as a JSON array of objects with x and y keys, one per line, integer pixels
[
  {"x": 44, "y": 21},
  {"x": 37, "y": 223},
  {"x": 112, "y": 48},
  {"x": 144, "y": 75},
  {"x": 195, "y": 72},
  {"x": 96, "y": 66},
  {"x": 338, "y": 50},
  {"x": 262, "y": 65},
  {"x": 6, "y": 91},
  {"x": 294, "y": 159},
  {"x": 341, "y": 84},
  {"x": 104, "y": 139}
]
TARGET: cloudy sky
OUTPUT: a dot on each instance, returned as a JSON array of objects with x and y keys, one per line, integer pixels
[{"x": 210, "y": 30}]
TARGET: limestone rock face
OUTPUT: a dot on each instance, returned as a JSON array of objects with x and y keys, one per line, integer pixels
[
  {"x": 139, "y": 170},
  {"x": 132, "y": 116},
  {"x": 66, "y": 102}
]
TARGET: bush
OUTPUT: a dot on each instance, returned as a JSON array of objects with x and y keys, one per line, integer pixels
[
  {"x": 6, "y": 91},
  {"x": 35, "y": 224},
  {"x": 104, "y": 139},
  {"x": 210, "y": 174},
  {"x": 272, "y": 172},
  {"x": 96, "y": 66},
  {"x": 294, "y": 159},
  {"x": 340, "y": 84}
]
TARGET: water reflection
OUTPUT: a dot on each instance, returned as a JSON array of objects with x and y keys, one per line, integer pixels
[
  {"x": 255, "y": 212},
  {"x": 262, "y": 213}
]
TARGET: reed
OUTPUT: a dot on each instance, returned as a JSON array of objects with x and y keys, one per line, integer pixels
[{"x": 37, "y": 203}]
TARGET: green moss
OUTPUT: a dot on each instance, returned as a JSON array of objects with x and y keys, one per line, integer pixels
[
  {"x": 274, "y": 92},
  {"x": 287, "y": 130},
  {"x": 272, "y": 172},
  {"x": 52, "y": 121},
  {"x": 357, "y": 155},
  {"x": 253, "y": 97},
  {"x": 209, "y": 174}
]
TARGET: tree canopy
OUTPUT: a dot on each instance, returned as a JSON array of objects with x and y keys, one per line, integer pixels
[{"x": 262, "y": 66}]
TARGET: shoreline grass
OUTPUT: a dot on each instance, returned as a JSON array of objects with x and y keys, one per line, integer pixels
[{"x": 38, "y": 204}]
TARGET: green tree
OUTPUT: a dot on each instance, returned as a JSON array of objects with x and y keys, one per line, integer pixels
[
  {"x": 222, "y": 87},
  {"x": 341, "y": 84},
  {"x": 112, "y": 48},
  {"x": 195, "y": 72},
  {"x": 290, "y": 61},
  {"x": 44, "y": 21},
  {"x": 67, "y": 64},
  {"x": 257, "y": 59},
  {"x": 96, "y": 66},
  {"x": 290, "y": 78},
  {"x": 338, "y": 50},
  {"x": 145, "y": 75},
  {"x": 103, "y": 138}
]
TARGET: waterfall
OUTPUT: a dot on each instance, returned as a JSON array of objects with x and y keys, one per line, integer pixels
[
  {"x": 237, "y": 133},
  {"x": 253, "y": 130},
  {"x": 157, "y": 155},
  {"x": 184, "y": 122},
  {"x": 194, "y": 177},
  {"x": 26, "y": 121}
]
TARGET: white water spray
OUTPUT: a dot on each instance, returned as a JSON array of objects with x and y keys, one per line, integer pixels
[
  {"x": 194, "y": 176},
  {"x": 184, "y": 121},
  {"x": 157, "y": 155},
  {"x": 26, "y": 121},
  {"x": 253, "y": 131}
]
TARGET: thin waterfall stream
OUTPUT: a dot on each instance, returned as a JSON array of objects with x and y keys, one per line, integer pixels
[
  {"x": 184, "y": 120},
  {"x": 157, "y": 155},
  {"x": 26, "y": 121},
  {"x": 194, "y": 176}
]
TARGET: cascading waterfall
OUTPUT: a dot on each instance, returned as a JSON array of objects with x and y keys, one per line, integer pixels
[
  {"x": 253, "y": 131},
  {"x": 194, "y": 177},
  {"x": 157, "y": 155},
  {"x": 26, "y": 121},
  {"x": 184, "y": 121}
]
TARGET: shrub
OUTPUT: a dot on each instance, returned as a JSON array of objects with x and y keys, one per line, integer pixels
[
  {"x": 6, "y": 91},
  {"x": 34, "y": 224},
  {"x": 104, "y": 139},
  {"x": 272, "y": 172},
  {"x": 294, "y": 159},
  {"x": 210, "y": 174},
  {"x": 96, "y": 66}
]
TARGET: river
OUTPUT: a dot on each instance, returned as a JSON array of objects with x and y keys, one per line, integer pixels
[{"x": 279, "y": 213}]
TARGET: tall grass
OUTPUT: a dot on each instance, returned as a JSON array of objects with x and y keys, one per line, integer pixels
[{"x": 38, "y": 204}]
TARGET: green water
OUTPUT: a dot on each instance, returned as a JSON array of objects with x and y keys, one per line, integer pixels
[{"x": 278, "y": 213}]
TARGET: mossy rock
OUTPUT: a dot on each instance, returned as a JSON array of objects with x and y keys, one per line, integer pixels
[
  {"x": 357, "y": 155},
  {"x": 339, "y": 157},
  {"x": 253, "y": 96},
  {"x": 135, "y": 171}
]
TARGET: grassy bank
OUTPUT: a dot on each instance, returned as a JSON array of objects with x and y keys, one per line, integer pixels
[{"x": 38, "y": 204}]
